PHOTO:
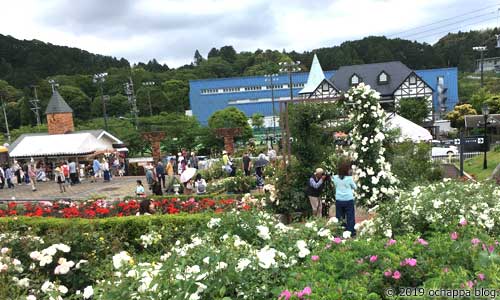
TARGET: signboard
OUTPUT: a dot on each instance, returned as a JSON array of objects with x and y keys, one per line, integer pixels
[{"x": 475, "y": 143}]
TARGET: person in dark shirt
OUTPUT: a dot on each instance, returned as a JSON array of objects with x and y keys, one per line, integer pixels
[
  {"x": 247, "y": 164},
  {"x": 160, "y": 173}
]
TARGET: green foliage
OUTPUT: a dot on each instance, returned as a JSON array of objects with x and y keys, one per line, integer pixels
[
  {"x": 412, "y": 164},
  {"x": 291, "y": 185},
  {"x": 414, "y": 109},
  {"x": 457, "y": 115},
  {"x": 257, "y": 120},
  {"x": 312, "y": 126},
  {"x": 231, "y": 117}
]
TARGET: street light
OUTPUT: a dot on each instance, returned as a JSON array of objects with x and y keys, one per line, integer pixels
[
  {"x": 272, "y": 78},
  {"x": 99, "y": 78},
  {"x": 148, "y": 84},
  {"x": 486, "y": 111}
]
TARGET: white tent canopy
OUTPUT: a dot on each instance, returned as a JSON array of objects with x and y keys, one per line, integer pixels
[
  {"x": 59, "y": 144},
  {"x": 409, "y": 130}
]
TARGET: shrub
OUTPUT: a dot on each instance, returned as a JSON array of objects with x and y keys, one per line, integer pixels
[{"x": 439, "y": 207}]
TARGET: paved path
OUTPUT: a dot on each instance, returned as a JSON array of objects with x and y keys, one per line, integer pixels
[{"x": 119, "y": 187}]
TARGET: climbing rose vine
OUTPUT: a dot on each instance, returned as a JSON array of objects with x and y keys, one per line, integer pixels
[{"x": 371, "y": 172}]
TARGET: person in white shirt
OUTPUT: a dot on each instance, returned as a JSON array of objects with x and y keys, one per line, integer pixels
[{"x": 200, "y": 185}]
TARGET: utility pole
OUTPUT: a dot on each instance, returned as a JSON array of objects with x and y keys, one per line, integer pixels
[
  {"x": 129, "y": 91},
  {"x": 99, "y": 79},
  {"x": 481, "y": 49},
  {"x": 149, "y": 84},
  {"x": 289, "y": 67},
  {"x": 5, "y": 115},
  {"x": 35, "y": 108},
  {"x": 272, "y": 78}
]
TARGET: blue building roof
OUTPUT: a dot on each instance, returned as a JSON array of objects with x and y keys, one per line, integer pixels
[{"x": 252, "y": 94}]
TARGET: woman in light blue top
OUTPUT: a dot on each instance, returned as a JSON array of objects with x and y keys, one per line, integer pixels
[{"x": 344, "y": 195}]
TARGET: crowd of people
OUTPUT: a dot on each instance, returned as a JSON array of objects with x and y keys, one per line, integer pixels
[
  {"x": 65, "y": 172},
  {"x": 163, "y": 176}
]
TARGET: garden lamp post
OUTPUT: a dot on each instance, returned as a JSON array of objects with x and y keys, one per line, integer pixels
[
  {"x": 485, "y": 110},
  {"x": 99, "y": 79}
]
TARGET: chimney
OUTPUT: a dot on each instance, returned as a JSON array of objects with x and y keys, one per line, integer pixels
[{"x": 59, "y": 115}]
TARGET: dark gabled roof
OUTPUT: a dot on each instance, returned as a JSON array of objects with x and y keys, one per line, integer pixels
[
  {"x": 57, "y": 104},
  {"x": 396, "y": 70}
]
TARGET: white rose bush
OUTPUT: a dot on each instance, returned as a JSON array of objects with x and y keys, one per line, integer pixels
[{"x": 371, "y": 171}]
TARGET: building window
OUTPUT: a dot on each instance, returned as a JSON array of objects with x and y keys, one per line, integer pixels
[
  {"x": 209, "y": 91},
  {"x": 355, "y": 79},
  {"x": 413, "y": 79},
  {"x": 253, "y": 88},
  {"x": 325, "y": 87},
  {"x": 383, "y": 78}
]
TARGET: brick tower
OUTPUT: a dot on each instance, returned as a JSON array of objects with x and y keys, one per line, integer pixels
[{"x": 59, "y": 115}]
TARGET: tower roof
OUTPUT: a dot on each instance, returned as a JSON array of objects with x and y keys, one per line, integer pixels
[
  {"x": 316, "y": 76},
  {"x": 57, "y": 104}
]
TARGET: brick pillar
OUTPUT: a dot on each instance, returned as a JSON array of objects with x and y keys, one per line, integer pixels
[
  {"x": 154, "y": 138},
  {"x": 60, "y": 123},
  {"x": 228, "y": 134}
]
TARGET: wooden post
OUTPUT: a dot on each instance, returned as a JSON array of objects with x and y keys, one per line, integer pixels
[
  {"x": 154, "y": 138},
  {"x": 228, "y": 134}
]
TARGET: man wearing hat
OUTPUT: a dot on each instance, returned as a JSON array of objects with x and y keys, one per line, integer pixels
[{"x": 314, "y": 189}]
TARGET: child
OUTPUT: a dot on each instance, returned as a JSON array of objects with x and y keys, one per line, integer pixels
[
  {"x": 188, "y": 187},
  {"x": 200, "y": 185},
  {"x": 344, "y": 196},
  {"x": 259, "y": 175},
  {"x": 60, "y": 179},
  {"x": 139, "y": 189}
]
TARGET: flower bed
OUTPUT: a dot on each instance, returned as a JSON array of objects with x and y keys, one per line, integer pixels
[
  {"x": 438, "y": 207},
  {"x": 106, "y": 208}
]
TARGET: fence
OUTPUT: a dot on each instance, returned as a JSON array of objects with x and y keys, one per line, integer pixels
[{"x": 455, "y": 157}]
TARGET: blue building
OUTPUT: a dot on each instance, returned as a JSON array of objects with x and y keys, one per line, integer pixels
[{"x": 253, "y": 94}]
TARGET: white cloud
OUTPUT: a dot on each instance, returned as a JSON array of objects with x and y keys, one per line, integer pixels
[{"x": 171, "y": 30}]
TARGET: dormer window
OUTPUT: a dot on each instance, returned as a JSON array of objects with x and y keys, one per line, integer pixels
[
  {"x": 413, "y": 79},
  {"x": 355, "y": 79},
  {"x": 383, "y": 78}
]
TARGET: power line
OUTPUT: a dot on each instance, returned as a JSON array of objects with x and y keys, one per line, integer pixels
[
  {"x": 448, "y": 25},
  {"x": 443, "y": 20},
  {"x": 456, "y": 28}
]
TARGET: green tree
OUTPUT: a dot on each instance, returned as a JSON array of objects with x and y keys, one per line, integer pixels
[
  {"x": 257, "y": 120},
  {"x": 177, "y": 95},
  {"x": 480, "y": 97},
  {"x": 197, "y": 58},
  {"x": 414, "y": 109},
  {"x": 77, "y": 100},
  {"x": 231, "y": 117},
  {"x": 457, "y": 115}
]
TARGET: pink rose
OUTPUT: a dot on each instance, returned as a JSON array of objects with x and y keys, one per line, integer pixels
[
  {"x": 422, "y": 242},
  {"x": 337, "y": 240},
  {"x": 315, "y": 258},
  {"x": 396, "y": 275},
  {"x": 373, "y": 258},
  {"x": 390, "y": 242},
  {"x": 475, "y": 241},
  {"x": 454, "y": 236},
  {"x": 285, "y": 295},
  {"x": 463, "y": 222},
  {"x": 481, "y": 276},
  {"x": 388, "y": 273}
]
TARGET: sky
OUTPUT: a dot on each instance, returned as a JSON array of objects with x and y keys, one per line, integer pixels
[{"x": 171, "y": 30}]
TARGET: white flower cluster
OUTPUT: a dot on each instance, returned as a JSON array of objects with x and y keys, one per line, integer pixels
[
  {"x": 150, "y": 239},
  {"x": 443, "y": 204},
  {"x": 371, "y": 172},
  {"x": 8, "y": 263},
  {"x": 45, "y": 256}
]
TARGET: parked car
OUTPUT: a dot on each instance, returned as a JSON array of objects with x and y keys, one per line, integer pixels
[{"x": 444, "y": 151}]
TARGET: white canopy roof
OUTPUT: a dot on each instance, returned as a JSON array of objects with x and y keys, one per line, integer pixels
[
  {"x": 59, "y": 144},
  {"x": 316, "y": 76},
  {"x": 409, "y": 130}
]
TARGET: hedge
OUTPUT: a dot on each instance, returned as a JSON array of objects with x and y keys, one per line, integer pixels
[{"x": 116, "y": 231}]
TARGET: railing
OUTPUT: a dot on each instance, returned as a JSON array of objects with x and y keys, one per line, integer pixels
[{"x": 455, "y": 158}]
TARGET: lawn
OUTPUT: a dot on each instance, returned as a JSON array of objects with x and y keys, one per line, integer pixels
[{"x": 474, "y": 166}]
